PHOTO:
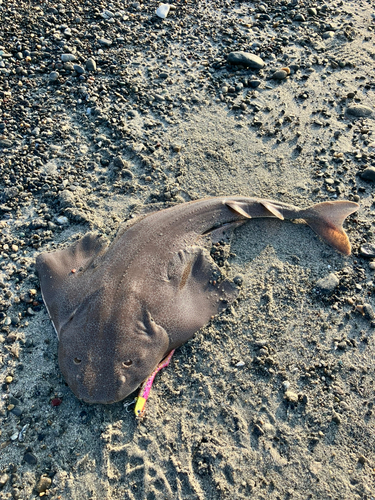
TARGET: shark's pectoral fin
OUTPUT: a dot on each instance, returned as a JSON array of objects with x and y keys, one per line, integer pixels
[
  {"x": 201, "y": 292},
  {"x": 59, "y": 273}
]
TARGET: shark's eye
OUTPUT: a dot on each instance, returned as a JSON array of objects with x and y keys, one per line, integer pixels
[
  {"x": 77, "y": 361},
  {"x": 127, "y": 363}
]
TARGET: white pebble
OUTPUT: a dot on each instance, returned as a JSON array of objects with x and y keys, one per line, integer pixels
[
  {"x": 163, "y": 10},
  {"x": 239, "y": 364},
  {"x": 62, "y": 220}
]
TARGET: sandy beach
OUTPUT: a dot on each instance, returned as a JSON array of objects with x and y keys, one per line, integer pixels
[{"x": 107, "y": 112}]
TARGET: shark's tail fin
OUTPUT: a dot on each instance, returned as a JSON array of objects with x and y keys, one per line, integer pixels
[{"x": 326, "y": 220}]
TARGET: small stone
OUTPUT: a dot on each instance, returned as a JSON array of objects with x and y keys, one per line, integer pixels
[
  {"x": 240, "y": 364},
  {"x": 291, "y": 396},
  {"x": 8, "y": 379},
  {"x": 3, "y": 480},
  {"x": 336, "y": 418},
  {"x": 312, "y": 11},
  {"x": 328, "y": 283},
  {"x": 30, "y": 458},
  {"x": 280, "y": 75},
  {"x": 176, "y": 148},
  {"x": 367, "y": 250},
  {"x": 54, "y": 76},
  {"x": 106, "y": 42},
  {"x": 368, "y": 174},
  {"x": 328, "y": 34},
  {"x": 6, "y": 143},
  {"x": 362, "y": 459},
  {"x": 78, "y": 69},
  {"x": 300, "y": 18},
  {"x": 358, "y": 111},
  {"x": 62, "y": 220},
  {"x": 118, "y": 162},
  {"x": 68, "y": 66},
  {"x": 163, "y": 10},
  {"x": 369, "y": 311},
  {"x": 68, "y": 57},
  {"x": 90, "y": 64},
  {"x": 254, "y": 83},
  {"x": 43, "y": 484},
  {"x": 246, "y": 59},
  {"x": 16, "y": 411}
]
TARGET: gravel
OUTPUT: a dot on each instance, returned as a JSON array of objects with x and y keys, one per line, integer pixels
[{"x": 107, "y": 112}]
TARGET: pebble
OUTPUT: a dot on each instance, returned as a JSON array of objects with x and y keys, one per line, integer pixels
[
  {"x": 106, "y": 42},
  {"x": 328, "y": 283},
  {"x": 62, "y": 220},
  {"x": 163, "y": 10},
  {"x": 254, "y": 83},
  {"x": 358, "y": 111},
  {"x": 291, "y": 396},
  {"x": 68, "y": 57},
  {"x": 6, "y": 143},
  {"x": 369, "y": 311},
  {"x": 328, "y": 34},
  {"x": 8, "y": 379},
  {"x": 246, "y": 59},
  {"x": 30, "y": 458},
  {"x": 78, "y": 69},
  {"x": 367, "y": 250},
  {"x": 3, "y": 480},
  {"x": 118, "y": 162},
  {"x": 312, "y": 11},
  {"x": 54, "y": 76},
  {"x": 43, "y": 484},
  {"x": 90, "y": 64},
  {"x": 280, "y": 75},
  {"x": 299, "y": 18},
  {"x": 368, "y": 174}
]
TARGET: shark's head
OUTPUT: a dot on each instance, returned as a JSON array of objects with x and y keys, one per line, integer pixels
[{"x": 105, "y": 362}]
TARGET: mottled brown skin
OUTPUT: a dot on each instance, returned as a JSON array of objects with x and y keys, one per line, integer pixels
[{"x": 118, "y": 310}]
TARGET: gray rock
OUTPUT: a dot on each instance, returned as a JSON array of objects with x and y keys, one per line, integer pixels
[
  {"x": 328, "y": 283},
  {"x": 368, "y": 174},
  {"x": 68, "y": 57},
  {"x": 78, "y": 69},
  {"x": 280, "y": 75},
  {"x": 54, "y": 76},
  {"x": 254, "y": 83},
  {"x": 90, "y": 65},
  {"x": 369, "y": 311},
  {"x": 246, "y": 59},
  {"x": 106, "y": 42},
  {"x": 30, "y": 458},
  {"x": 312, "y": 11},
  {"x": 118, "y": 162},
  {"x": 299, "y": 18},
  {"x": 367, "y": 250},
  {"x": 6, "y": 143},
  {"x": 358, "y": 111}
]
